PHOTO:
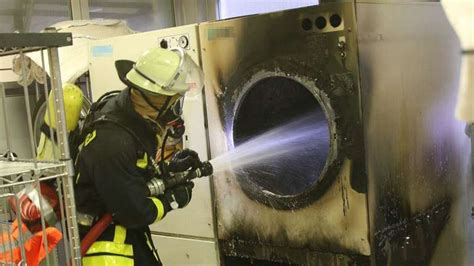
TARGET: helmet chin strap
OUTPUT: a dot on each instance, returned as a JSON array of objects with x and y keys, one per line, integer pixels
[{"x": 161, "y": 110}]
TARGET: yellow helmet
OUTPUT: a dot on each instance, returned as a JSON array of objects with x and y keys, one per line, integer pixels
[
  {"x": 162, "y": 71},
  {"x": 72, "y": 107}
]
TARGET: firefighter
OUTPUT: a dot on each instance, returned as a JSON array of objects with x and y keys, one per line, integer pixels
[{"x": 115, "y": 159}]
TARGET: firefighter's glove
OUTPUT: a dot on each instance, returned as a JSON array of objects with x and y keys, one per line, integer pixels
[
  {"x": 184, "y": 160},
  {"x": 179, "y": 197}
]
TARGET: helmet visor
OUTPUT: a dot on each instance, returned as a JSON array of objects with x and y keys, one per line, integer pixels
[{"x": 190, "y": 79}]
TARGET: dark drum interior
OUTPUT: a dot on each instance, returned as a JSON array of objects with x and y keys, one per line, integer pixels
[{"x": 283, "y": 103}]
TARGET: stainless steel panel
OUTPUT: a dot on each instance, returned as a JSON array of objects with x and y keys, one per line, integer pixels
[
  {"x": 417, "y": 153},
  {"x": 238, "y": 53}
]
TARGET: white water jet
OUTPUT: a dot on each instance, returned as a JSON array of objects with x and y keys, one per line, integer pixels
[{"x": 305, "y": 139}]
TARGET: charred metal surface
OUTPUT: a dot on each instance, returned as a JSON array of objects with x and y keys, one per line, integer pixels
[
  {"x": 239, "y": 261},
  {"x": 412, "y": 241},
  {"x": 310, "y": 64},
  {"x": 383, "y": 81},
  {"x": 330, "y": 214},
  {"x": 290, "y": 256},
  {"x": 336, "y": 101},
  {"x": 416, "y": 151}
]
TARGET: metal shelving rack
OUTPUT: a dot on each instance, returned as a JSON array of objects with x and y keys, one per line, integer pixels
[{"x": 18, "y": 174}]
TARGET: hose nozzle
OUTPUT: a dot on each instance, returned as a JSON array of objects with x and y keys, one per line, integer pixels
[
  {"x": 205, "y": 170},
  {"x": 157, "y": 186}
]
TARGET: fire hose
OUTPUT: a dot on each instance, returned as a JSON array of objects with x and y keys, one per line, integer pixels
[{"x": 156, "y": 187}]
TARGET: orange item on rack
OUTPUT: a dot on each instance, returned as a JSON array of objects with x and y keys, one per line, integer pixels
[{"x": 34, "y": 247}]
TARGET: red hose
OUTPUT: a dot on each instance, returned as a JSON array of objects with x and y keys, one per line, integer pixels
[{"x": 95, "y": 232}]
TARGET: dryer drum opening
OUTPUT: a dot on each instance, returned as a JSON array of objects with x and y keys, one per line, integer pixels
[{"x": 274, "y": 102}]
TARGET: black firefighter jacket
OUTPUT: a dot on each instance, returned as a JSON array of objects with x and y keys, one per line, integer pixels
[{"x": 113, "y": 168}]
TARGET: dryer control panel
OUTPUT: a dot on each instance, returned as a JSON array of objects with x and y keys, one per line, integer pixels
[{"x": 181, "y": 41}]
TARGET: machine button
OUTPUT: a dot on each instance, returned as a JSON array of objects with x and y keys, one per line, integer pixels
[
  {"x": 164, "y": 44},
  {"x": 320, "y": 22},
  {"x": 183, "y": 42},
  {"x": 335, "y": 20},
  {"x": 306, "y": 24}
]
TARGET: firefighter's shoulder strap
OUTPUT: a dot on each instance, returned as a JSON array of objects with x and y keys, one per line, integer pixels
[
  {"x": 77, "y": 137},
  {"x": 96, "y": 116}
]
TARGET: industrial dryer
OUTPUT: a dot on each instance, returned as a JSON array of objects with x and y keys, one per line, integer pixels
[{"x": 386, "y": 184}]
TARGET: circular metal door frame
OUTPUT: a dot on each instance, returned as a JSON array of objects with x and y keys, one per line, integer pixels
[{"x": 330, "y": 169}]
